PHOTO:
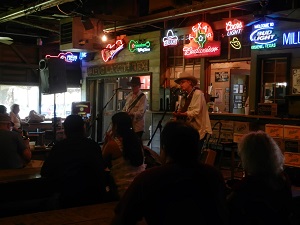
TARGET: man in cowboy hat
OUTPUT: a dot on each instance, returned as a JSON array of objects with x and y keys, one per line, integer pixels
[
  {"x": 15, "y": 152},
  {"x": 193, "y": 108},
  {"x": 135, "y": 105}
]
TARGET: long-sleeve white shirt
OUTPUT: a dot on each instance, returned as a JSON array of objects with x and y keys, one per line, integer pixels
[{"x": 138, "y": 111}]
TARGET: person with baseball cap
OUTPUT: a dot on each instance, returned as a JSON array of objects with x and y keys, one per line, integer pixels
[
  {"x": 135, "y": 106},
  {"x": 193, "y": 106},
  {"x": 14, "y": 153}
]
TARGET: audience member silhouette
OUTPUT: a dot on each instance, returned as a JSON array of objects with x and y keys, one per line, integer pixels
[
  {"x": 263, "y": 196},
  {"x": 181, "y": 191},
  {"x": 15, "y": 152},
  {"x": 75, "y": 167},
  {"x": 123, "y": 152}
]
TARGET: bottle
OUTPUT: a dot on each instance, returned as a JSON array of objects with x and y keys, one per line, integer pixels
[{"x": 25, "y": 135}]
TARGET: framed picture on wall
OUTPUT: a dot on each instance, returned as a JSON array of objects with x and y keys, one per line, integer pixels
[
  {"x": 221, "y": 76},
  {"x": 296, "y": 81},
  {"x": 236, "y": 88}
]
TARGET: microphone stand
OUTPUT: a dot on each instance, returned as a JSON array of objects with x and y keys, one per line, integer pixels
[
  {"x": 100, "y": 115},
  {"x": 159, "y": 126}
]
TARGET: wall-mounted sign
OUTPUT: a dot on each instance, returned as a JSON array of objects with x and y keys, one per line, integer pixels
[
  {"x": 170, "y": 39},
  {"x": 291, "y": 38},
  {"x": 67, "y": 56},
  {"x": 119, "y": 68},
  {"x": 136, "y": 46},
  {"x": 235, "y": 43},
  {"x": 234, "y": 27},
  {"x": 263, "y": 36},
  {"x": 202, "y": 42},
  {"x": 110, "y": 51}
]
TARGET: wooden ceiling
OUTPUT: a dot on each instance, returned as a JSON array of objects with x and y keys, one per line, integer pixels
[{"x": 26, "y": 21}]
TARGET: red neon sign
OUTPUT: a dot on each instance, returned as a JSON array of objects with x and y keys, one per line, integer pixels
[
  {"x": 110, "y": 51},
  {"x": 201, "y": 42},
  {"x": 234, "y": 27}
]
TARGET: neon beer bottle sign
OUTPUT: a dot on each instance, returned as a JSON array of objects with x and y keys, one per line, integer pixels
[{"x": 201, "y": 42}]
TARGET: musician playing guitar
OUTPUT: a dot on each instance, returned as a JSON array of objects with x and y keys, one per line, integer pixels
[
  {"x": 193, "y": 108},
  {"x": 135, "y": 106}
]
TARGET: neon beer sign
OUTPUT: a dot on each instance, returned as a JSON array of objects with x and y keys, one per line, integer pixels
[
  {"x": 202, "y": 42},
  {"x": 234, "y": 27},
  {"x": 110, "y": 51},
  {"x": 291, "y": 38},
  {"x": 170, "y": 39},
  {"x": 263, "y": 36},
  {"x": 67, "y": 56},
  {"x": 135, "y": 46}
]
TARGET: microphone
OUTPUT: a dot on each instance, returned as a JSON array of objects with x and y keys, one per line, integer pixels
[{"x": 117, "y": 89}]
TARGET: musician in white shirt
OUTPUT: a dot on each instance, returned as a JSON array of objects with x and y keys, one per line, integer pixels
[
  {"x": 194, "y": 108},
  {"x": 135, "y": 106}
]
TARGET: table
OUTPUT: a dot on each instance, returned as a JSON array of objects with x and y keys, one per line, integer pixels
[
  {"x": 32, "y": 171},
  {"x": 84, "y": 215}
]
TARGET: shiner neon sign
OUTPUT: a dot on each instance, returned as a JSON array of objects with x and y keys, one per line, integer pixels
[{"x": 263, "y": 36}]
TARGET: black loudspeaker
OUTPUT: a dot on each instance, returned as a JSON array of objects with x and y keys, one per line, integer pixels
[{"x": 53, "y": 75}]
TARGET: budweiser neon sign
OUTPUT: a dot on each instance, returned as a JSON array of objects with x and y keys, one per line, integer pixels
[
  {"x": 110, "y": 51},
  {"x": 234, "y": 27},
  {"x": 201, "y": 42},
  {"x": 170, "y": 39}
]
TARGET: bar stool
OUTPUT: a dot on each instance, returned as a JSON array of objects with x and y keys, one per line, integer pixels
[{"x": 233, "y": 147}]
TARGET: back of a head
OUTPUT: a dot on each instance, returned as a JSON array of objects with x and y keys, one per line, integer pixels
[
  {"x": 74, "y": 126},
  {"x": 122, "y": 122},
  {"x": 3, "y": 109},
  {"x": 260, "y": 154},
  {"x": 180, "y": 142}
]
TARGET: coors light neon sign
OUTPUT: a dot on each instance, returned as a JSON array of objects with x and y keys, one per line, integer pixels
[{"x": 202, "y": 42}]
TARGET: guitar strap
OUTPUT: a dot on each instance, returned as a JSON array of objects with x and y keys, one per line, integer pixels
[{"x": 134, "y": 102}]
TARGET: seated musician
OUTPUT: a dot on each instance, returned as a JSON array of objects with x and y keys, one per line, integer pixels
[{"x": 194, "y": 108}]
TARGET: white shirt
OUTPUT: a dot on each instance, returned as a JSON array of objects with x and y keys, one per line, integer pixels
[
  {"x": 138, "y": 111},
  {"x": 197, "y": 114}
]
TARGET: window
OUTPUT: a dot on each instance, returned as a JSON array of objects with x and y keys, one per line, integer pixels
[
  {"x": 28, "y": 99},
  {"x": 274, "y": 80},
  {"x": 25, "y": 96},
  {"x": 63, "y": 102}
]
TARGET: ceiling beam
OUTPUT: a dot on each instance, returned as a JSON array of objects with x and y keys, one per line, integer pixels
[
  {"x": 31, "y": 8},
  {"x": 191, "y": 10}
]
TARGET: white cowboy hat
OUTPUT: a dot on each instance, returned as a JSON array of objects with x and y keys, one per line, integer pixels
[{"x": 187, "y": 76}]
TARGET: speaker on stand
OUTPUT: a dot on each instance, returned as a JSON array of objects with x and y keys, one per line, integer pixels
[{"x": 53, "y": 80}]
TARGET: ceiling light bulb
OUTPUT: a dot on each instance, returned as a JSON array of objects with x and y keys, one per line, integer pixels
[{"x": 104, "y": 38}]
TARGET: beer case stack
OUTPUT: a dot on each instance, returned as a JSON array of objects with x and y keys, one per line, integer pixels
[
  {"x": 288, "y": 139},
  {"x": 232, "y": 131}
]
